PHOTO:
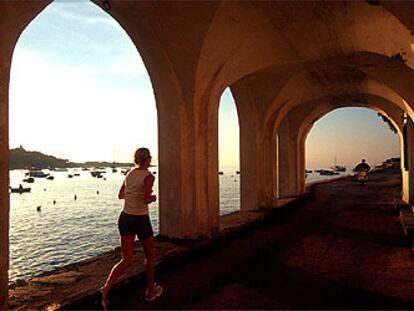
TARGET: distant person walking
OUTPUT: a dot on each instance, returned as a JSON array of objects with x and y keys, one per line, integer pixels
[
  {"x": 136, "y": 190},
  {"x": 362, "y": 170}
]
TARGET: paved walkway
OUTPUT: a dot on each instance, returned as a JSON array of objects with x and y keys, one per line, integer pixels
[{"x": 342, "y": 247}]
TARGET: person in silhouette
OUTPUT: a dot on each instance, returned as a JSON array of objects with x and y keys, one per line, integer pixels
[
  {"x": 362, "y": 170},
  {"x": 136, "y": 190},
  {"x": 363, "y": 166}
]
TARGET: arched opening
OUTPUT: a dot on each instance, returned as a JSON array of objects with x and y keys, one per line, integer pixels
[
  {"x": 345, "y": 136},
  {"x": 78, "y": 91},
  {"x": 229, "y": 155}
]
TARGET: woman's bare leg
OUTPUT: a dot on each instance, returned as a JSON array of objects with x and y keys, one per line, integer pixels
[
  {"x": 148, "y": 245},
  {"x": 127, "y": 250}
]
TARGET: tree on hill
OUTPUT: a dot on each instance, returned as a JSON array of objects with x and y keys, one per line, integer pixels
[{"x": 21, "y": 158}]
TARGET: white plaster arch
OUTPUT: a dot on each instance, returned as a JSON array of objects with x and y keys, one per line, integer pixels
[
  {"x": 318, "y": 109},
  {"x": 284, "y": 101},
  {"x": 351, "y": 91},
  {"x": 254, "y": 36}
]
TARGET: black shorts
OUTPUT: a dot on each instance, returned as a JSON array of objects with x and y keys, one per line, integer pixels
[{"x": 132, "y": 224}]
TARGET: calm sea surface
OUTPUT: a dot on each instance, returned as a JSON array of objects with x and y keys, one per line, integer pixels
[{"x": 70, "y": 230}]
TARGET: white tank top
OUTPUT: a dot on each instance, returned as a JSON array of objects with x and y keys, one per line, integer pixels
[{"x": 134, "y": 192}]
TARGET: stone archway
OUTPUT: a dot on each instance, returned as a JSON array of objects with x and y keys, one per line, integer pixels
[{"x": 299, "y": 121}]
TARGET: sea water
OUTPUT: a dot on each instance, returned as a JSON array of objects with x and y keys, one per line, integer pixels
[{"x": 66, "y": 230}]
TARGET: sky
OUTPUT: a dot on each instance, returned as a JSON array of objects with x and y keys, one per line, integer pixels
[
  {"x": 79, "y": 90},
  {"x": 350, "y": 134}
]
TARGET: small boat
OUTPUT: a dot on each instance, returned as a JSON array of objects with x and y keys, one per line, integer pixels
[
  {"x": 29, "y": 180},
  {"x": 339, "y": 168},
  {"x": 20, "y": 190},
  {"x": 38, "y": 173},
  {"x": 50, "y": 177},
  {"x": 97, "y": 173},
  {"x": 114, "y": 170},
  {"x": 61, "y": 169},
  {"x": 85, "y": 169},
  {"x": 308, "y": 171},
  {"x": 70, "y": 176},
  {"x": 328, "y": 173},
  {"x": 76, "y": 174},
  {"x": 237, "y": 172},
  {"x": 221, "y": 173}
]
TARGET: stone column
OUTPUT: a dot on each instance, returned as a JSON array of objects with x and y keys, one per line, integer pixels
[
  {"x": 4, "y": 181},
  {"x": 301, "y": 164},
  {"x": 206, "y": 168},
  {"x": 405, "y": 173},
  {"x": 15, "y": 16},
  {"x": 188, "y": 165},
  {"x": 250, "y": 149},
  {"x": 288, "y": 160},
  {"x": 250, "y": 165},
  {"x": 269, "y": 169},
  {"x": 410, "y": 158}
]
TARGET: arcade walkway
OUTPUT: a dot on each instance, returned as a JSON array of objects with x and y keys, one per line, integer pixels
[{"x": 342, "y": 247}]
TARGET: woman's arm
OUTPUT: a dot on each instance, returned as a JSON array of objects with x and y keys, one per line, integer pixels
[
  {"x": 121, "y": 194},
  {"x": 148, "y": 183}
]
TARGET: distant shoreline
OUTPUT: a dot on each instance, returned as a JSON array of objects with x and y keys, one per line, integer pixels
[{"x": 23, "y": 159}]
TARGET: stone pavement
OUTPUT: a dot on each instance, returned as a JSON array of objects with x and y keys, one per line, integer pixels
[{"x": 342, "y": 247}]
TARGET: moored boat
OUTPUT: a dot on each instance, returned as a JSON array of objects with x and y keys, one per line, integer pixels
[
  {"x": 328, "y": 172},
  {"x": 61, "y": 169},
  {"x": 339, "y": 168},
  {"x": 97, "y": 173},
  {"x": 38, "y": 173},
  {"x": 20, "y": 189}
]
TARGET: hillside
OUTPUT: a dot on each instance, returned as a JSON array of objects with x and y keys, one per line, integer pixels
[{"x": 23, "y": 159}]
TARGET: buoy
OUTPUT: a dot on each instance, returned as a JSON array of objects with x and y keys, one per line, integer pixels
[
  {"x": 97, "y": 191},
  {"x": 75, "y": 197},
  {"x": 54, "y": 202}
]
